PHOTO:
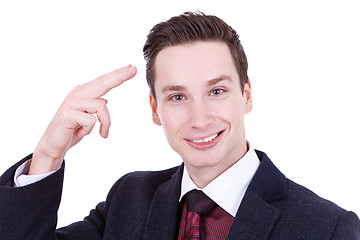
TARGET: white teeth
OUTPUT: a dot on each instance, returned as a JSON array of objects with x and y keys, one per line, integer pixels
[{"x": 204, "y": 140}]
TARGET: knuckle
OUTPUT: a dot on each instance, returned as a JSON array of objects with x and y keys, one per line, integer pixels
[
  {"x": 102, "y": 104},
  {"x": 64, "y": 113},
  {"x": 76, "y": 90},
  {"x": 67, "y": 101},
  {"x": 78, "y": 87},
  {"x": 102, "y": 85},
  {"x": 92, "y": 119}
]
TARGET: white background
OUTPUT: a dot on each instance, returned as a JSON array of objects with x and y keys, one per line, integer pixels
[{"x": 303, "y": 65}]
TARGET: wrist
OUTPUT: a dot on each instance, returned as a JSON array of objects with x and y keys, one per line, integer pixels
[{"x": 43, "y": 163}]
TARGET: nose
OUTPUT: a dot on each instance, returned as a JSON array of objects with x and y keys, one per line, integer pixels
[{"x": 200, "y": 115}]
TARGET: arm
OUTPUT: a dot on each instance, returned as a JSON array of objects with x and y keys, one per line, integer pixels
[
  {"x": 30, "y": 212},
  {"x": 22, "y": 214}
]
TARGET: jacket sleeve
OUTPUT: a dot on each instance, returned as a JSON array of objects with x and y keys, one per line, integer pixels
[
  {"x": 348, "y": 227},
  {"x": 30, "y": 212}
]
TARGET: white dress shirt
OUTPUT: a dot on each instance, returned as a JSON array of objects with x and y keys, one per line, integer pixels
[
  {"x": 228, "y": 189},
  {"x": 21, "y": 178}
]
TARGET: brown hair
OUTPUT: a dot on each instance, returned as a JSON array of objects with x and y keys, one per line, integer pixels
[{"x": 191, "y": 27}]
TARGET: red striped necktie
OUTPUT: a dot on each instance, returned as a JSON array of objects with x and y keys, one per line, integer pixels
[{"x": 198, "y": 204}]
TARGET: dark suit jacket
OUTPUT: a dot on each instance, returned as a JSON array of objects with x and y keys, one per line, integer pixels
[{"x": 144, "y": 205}]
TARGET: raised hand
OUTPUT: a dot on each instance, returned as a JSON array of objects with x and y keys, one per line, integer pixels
[{"x": 75, "y": 119}]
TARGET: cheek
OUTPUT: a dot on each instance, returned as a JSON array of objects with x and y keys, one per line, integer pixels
[
  {"x": 170, "y": 120},
  {"x": 234, "y": 115},
  {"x": 172, "y": 124}
]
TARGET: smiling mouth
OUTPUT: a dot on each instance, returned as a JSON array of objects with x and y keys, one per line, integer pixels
[{"x": 207, "y": 139}]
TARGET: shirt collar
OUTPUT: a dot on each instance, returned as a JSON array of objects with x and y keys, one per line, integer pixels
[{"x": 229, "y": 188}]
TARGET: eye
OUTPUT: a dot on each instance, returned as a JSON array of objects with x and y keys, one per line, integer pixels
[
  {"x": 217, "y": 91},
  {"x": 177, "y": 98}
]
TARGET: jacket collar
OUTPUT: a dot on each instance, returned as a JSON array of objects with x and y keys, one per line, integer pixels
[
  {"x": 256, "y": 216},
  {"x": 162, "y": 221},
  {"x": 268, "y": 182}
]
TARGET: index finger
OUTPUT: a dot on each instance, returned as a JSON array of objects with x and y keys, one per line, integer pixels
[{"x": 101, "y": 85}]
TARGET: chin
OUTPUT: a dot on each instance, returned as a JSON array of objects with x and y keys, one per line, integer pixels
[{"x": 203, "y": 162}]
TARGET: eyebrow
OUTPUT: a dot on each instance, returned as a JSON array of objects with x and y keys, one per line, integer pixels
[
  {"x": 211, "y": 82},
  {"x": 218, "y": 79},
  {"x": 173, "y": 88}
]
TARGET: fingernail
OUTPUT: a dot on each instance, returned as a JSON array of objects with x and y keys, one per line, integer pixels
[{"x": 127, "y": 66}]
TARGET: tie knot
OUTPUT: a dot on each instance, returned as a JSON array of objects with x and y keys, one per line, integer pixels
[{"x": 197, "y": 201}]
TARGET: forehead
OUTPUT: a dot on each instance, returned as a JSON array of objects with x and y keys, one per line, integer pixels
[{"x": 193, "y": 63}]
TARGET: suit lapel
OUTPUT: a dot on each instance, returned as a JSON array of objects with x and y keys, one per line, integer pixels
[
  {"x": 254, "y": 219},
  {"x": 256, "y": 216},
  {"x": 162, "y": 220}
]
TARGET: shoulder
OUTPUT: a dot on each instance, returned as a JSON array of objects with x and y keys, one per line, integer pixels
[
  {"x": 301, "y": 197},
  {"x": 147, "y": 178},
  {"x": 304, "y": 208},
  {"x": 141, "y": 184}
]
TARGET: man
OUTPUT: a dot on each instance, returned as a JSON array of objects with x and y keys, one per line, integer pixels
[{"x": 199, "y": 93}]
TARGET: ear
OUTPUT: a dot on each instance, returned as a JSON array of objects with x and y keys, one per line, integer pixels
[
  {"x": 153, "y": 106},
  {"x": 248, "y": 98}
]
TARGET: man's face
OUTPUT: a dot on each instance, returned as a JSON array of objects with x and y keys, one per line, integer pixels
[{"x": 200, "y": 104}]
